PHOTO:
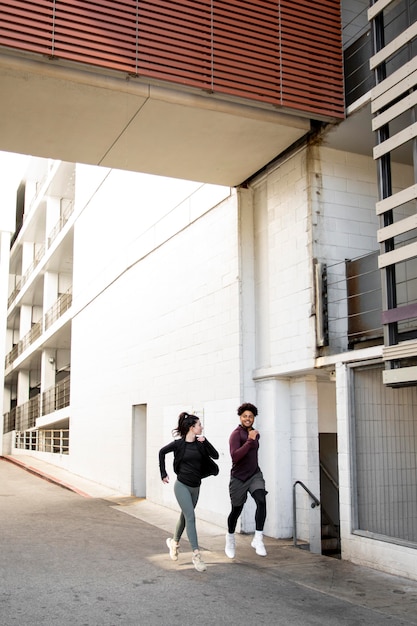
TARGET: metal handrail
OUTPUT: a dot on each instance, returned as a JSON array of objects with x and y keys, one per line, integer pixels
[
  {"x": 327, "y": 473},
  {"x": 316, "y": 502}
]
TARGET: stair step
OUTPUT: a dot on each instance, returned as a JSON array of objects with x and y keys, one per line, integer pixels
[
  {"x": 330, "y": 543},
  {"x": 327, "y": 530}
]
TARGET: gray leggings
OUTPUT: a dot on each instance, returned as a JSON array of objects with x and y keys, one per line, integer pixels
[{"x": 187, "y": 498}]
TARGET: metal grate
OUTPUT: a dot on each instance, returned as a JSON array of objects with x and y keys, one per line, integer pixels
[
  {"x": 354, "y": 302},
  {"x": 385, "y": 422}
]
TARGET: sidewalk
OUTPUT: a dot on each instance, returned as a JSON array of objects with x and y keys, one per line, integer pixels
[{"x": 361, "y": 586}]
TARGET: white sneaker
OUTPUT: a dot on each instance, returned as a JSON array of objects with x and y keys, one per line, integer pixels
[
  {"x": 258, "y": 544},
  {"x": 173, "y": 549},
  {"x": 198, "y": 562},
  {"x": 230, "y": 547}
]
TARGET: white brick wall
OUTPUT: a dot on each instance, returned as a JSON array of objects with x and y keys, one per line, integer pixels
[
  {"x": 283, "y": 266},
  {"x": 156, "y": 325},
  {"x": 320, "y": 203},
  {"x": 346, "y": 218},
  {"x": 344, "y": 197}
]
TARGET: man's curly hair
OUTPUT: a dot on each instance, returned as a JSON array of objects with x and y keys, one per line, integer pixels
[{"x": 247, "y": 406}]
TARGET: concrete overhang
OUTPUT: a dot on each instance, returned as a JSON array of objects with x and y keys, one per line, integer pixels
[{"x": 51, "y": 110}]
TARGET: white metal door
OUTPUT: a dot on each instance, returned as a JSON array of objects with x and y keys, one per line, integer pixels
[{"x": 139, "y": 451}]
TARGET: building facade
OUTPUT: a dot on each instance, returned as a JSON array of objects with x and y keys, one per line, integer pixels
[{"x": 132, "y": 297}]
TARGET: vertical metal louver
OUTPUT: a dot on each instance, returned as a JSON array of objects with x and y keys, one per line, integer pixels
[{"x": 393, "y": 105}]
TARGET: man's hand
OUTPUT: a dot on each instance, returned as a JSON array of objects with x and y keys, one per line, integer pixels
[{"x": 252, "y": 434}]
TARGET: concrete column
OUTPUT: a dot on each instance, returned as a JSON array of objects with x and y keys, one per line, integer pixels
[
  {"x": 346, "y": 502},
  {"x": 274, "y": 425},
  {"x": 275, "y": 454},
  {"x": 22, "y": 387},
  {"x": 247, "y": 292},
  {"x": 48, "y": 369},
  {"x": 53, "y": 213},
  {"x": 25, "y": 320},
  {"x": 31, "y": 191},
  {"x": 262, "y": 285},
  {"x": 305, "y": 457},
  {"x": 50, "y": 290},
  {"x": 28, "y": 253}
]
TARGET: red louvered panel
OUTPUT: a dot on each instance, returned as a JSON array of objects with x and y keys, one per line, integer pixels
[
  {"x": 27, "y": 25},
  {"x": 246, "y": 56},
  {"x": 312, "y": 71},
  {"x": 282, "y": 52},
  {"x": 156, "y": 42},
  {"x": 319, "y": 11},
  {"x": 305, "y": 51},
  {"x": 185, "y": 28},
  {"x": 101, "y": 33}
]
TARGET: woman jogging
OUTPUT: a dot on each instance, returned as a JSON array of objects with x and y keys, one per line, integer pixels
[{"x": 193, "y": 456}]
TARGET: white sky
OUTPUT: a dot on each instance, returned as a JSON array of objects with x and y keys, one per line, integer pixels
[{"x": 12, "y": 168}]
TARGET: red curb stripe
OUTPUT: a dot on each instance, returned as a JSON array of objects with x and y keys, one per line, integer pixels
[{"x": 40, "y": 474}]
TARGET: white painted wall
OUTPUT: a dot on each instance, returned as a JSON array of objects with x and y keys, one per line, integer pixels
[
  {"x": 285, "y": 327},
  {"x": 327, "y": 406},
  {"x": 156, "y": 322}
]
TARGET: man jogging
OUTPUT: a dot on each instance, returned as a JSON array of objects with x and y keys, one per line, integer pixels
[{"x": 246, "y": 476}]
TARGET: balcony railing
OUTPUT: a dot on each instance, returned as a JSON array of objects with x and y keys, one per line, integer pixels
[
  {"x": 27, "y": 413},
  {"x": 19, "y": 285},
  {"x": 9, "y": 421},
  {"x": 41, "y": 250},
  {"x": 24, "y": 416},
  {"x": 66, "y": 214},
  {"x": 56, "y": 397},
  {"x": 15, "y": 292},
  {"x": 59, "y": 307}
]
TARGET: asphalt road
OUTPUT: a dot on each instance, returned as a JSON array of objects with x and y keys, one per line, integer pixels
[{"x": 66, "y": 559}]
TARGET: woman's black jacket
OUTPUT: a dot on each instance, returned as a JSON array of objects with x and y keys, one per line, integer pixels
[{"x": 207, "y": 451}]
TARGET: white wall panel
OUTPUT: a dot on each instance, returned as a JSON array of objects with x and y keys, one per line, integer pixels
[{"x": 162, "y": 331}]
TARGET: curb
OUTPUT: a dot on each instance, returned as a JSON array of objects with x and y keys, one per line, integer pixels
[{"x": 48, "y": 477}]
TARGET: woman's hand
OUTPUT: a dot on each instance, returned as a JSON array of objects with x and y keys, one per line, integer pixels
[
  {"x": 200, "y": 438},
  {"x": 166, "y": 479}
]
